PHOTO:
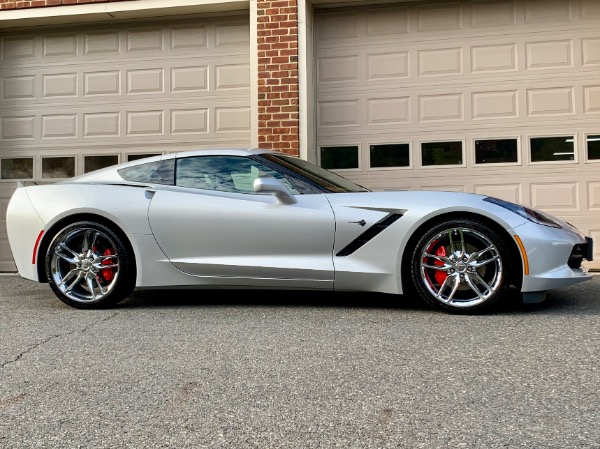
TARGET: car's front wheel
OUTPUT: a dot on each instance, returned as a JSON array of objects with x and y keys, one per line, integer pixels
[
  {"x": 88, "y": 265},
  {"x": 460, "y": 266}
]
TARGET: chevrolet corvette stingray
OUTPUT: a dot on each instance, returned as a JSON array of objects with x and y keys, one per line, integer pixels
[{"x": 259, "y": 219}]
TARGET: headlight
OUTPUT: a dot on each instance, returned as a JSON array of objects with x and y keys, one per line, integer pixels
[{"x": 534, "y": 215}]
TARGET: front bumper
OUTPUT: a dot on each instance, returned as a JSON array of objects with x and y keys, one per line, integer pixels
[{"x": 555, "y": 256}]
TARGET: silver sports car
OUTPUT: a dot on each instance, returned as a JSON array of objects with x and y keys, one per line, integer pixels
[{"x": 261, "y": 219}]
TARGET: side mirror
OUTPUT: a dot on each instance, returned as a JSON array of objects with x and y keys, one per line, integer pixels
[{"x": 274, "y": 187}]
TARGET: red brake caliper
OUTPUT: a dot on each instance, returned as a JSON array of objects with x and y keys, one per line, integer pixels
[
  {"x": 107, "y": 273},
  {"x": 440, "y": 276}
]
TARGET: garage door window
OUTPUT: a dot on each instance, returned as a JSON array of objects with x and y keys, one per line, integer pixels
[
  {"x": 558, "y": 148},
  {"x": 91, "y": 163},
  {"x": 441, "y": 153},
  {"x": 496, "y": 151},
  {"x": 135, "y": 157},
  {"x": 593, "y": 147},
  {"x": 16, "y": 168},
  {"x": 389, "y": 155},
  {"x": 333, "y": 158},
  {"x": 58, "y": 167}
]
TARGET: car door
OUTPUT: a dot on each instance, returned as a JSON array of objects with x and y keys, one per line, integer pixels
[{"x": 212, "y": 224}]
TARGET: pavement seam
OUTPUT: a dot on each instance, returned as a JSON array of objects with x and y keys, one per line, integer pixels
[{"x": 52, "y": 337}]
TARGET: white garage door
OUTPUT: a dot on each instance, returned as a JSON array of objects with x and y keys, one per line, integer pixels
[
  {"x": 494, "y": 97},
  {"x": 73, "y": 100}
]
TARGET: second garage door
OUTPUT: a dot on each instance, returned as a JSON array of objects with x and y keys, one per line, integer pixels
[{"x": 495, "y": 97}]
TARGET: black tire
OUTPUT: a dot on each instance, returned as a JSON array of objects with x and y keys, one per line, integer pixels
[
  {"x": 461, "y": 266},
  {"x": 88, "y": 266}
]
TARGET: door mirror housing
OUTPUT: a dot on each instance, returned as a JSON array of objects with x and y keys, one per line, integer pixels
[{"x": 276, "y": 188}]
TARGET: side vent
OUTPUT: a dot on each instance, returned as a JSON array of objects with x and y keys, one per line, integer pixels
[{"x": 369, "y": 234}]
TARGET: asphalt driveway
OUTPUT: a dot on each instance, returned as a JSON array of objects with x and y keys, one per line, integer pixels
[{"x": 236, "y": 369}]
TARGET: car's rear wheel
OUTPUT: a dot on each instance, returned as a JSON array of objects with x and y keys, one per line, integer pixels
[
  {"x": 460, "y": 266},
  {"x": 88, "y": 265}
]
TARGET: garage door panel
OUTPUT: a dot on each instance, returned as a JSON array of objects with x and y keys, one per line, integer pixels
[
  {"x": 555, "y": 196},
  {"x": 99, "y": 44},
  {"x": 590, "y": 51},
  {"x": 591, "y": 99},
  {"x": 145, "y": 79},
  {"x": 69, "y": 123},
  {"x": 502, "y": 104},
  {"x": 593, "y": 189},
  {"x": 495, "y": 104},
  {"x": 507, "y": 191}
]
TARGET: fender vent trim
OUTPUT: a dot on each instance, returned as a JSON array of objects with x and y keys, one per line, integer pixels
[{"x": 369, "y": 234}]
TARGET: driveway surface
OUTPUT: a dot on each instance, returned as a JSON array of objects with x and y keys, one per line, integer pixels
[{"x": 241, "y": 369}]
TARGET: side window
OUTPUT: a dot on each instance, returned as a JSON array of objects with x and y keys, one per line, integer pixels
[
  {"x": 205, "y": 172},
  {"x": 159, "y": 172},
  {"x": 223, "y": 173}
]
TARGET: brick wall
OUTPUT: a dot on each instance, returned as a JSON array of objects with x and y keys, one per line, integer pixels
[
  {"x": 19, "y": 4},
  {"x": 278, "y": 99}
]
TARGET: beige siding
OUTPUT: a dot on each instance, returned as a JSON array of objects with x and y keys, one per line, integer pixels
[{"x": 460, "y": 71}]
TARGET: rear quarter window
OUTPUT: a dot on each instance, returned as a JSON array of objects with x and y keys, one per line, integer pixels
[{"x": 159, "y": 172}]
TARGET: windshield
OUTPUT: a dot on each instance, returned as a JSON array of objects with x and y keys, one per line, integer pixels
[{"x": 320, "y": 176}]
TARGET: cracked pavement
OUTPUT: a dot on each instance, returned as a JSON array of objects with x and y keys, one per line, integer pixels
[{"x": 240, "y": 369}]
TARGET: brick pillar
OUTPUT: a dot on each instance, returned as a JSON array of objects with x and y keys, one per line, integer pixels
[{"x": 278, "y": 97}]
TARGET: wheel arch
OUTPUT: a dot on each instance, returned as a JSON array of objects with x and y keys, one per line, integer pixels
[
  {"x": 62, "y": 223},
  {"x": 516, "y": 267}
]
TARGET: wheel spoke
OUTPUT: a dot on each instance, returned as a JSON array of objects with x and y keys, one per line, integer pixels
[
  {"x": 63, "y": 247},
  {"x": 453, "y": 244},
  {"x": 473, "y": 259},
  {"x": 68, "y": 276},
  {"x": 474, "y": 287},
  {"x": 100, "y": 262},
  {"x": 447, "y": 263},
  {"x": 481, "y": 281},
  {"x": 99, "y": 266},
  {"x": 103, "y": 291},
  {"x": 445, "y": 285},
  {"x": 436, "y": 267},
  {"x": 72, "y": 284},
  {"x": 89, "y": 240},
  {"x": 90, "y": 285}
]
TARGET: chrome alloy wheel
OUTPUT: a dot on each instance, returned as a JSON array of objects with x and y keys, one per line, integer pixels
[
  {"x": 84, "y": 264},
  {"x": 461, "y": 267}
]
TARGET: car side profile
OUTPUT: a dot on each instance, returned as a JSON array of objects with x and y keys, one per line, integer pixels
[{"x": 259, "y": 219}]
